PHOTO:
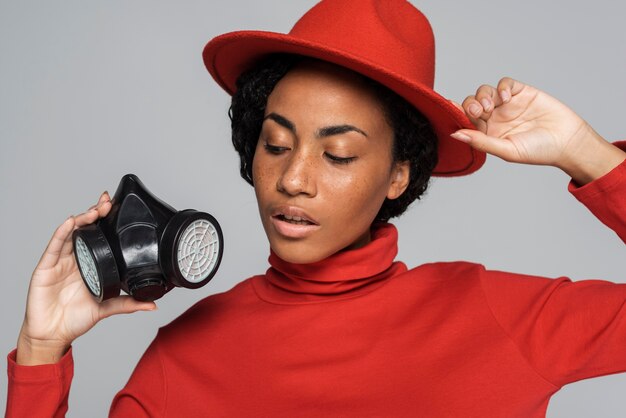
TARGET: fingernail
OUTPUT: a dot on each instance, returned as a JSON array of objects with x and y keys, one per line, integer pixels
[
  {"x": 486, "y": 104},
  {"x": 461, "y": 136},
  {"x": 505, "y": 95},
  {"x": 474, "y": 109}
]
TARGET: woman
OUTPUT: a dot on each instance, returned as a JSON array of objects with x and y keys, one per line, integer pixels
[{"x": 336, "y": 327}]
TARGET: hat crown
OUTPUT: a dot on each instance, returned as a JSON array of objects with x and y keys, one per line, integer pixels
[
  {"x": 389, "y": 41},
  {"x": 389, "y": 31}
]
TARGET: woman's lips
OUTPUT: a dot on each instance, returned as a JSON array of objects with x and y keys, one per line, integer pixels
[{"x": 292, "y": 229}]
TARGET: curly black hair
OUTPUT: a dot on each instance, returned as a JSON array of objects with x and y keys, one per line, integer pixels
[{"x": 414, "y": 139}]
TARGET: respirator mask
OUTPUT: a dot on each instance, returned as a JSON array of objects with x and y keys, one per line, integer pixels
[{"x": 146, "y": 247}]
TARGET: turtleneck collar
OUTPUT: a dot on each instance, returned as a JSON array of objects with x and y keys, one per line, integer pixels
[{"x": 343, "y": 275}]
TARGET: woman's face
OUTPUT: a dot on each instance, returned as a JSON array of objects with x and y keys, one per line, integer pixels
[{"x": 323, "y": 163}]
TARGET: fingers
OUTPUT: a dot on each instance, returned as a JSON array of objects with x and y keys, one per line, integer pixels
[
  {"x": 478, "y": 123},
  {"x": 487, "y": 98},
  {"x": 101, "y": 209},
  {"x": 61, "y": 242},
  {"x": 104, "y": 204},
  {"x": 500, "y": 147},
  {"x": 508, "y": 88},
  {"x": 123, "y": 305},
  {"x": 480, "y": 105},
  {"x": 479, "y": 108},
  {"x": 94, "y": 212},
  {"x": 52, "y": 252},
  {"x": 103, "y": 198}
]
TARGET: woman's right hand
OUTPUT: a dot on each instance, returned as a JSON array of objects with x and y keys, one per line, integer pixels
[{"x": 59, "y": 307}]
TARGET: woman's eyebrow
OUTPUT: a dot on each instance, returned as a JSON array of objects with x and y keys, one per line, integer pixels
[
  {"x": 282, "y": 121},
  {"x": 321, "y": 133},
  {"x": 337, "y": 130}
]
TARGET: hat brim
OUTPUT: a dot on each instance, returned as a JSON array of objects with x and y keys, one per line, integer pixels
[{"x": 228, "y": 55}]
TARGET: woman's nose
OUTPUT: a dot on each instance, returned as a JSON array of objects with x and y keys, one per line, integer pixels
[{"x": 298, "y": 176}]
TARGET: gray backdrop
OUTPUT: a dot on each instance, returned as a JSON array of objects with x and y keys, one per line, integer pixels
[{"x": 90, "y": 91}]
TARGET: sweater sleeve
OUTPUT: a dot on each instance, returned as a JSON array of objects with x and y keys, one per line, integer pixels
[
  {"x": 568, "y": 331},
  {"x": 43, "y": 390},
  {"x": 606, "y": 197},
  {"x": 38, "y": 391}
]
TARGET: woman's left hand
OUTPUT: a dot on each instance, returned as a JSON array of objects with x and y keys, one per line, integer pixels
[{"x": 522, "y": 124}]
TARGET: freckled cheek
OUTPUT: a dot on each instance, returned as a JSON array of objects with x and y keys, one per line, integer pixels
[
  {"x": 259, "y": 168},
  {"x": 261, "y": 185},
  {"x": 361, "y": 194},
  {"x": 264, "y": 178}
]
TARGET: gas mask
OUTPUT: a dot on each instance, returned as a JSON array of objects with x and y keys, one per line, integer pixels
[{"x": 146, "y": 247}]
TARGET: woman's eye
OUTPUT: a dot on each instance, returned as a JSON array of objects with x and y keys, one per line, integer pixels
[
  {"x": 340, "y": 160},
  {"x": 274, "y": 149}
]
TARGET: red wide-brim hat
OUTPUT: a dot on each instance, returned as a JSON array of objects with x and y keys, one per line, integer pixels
[{"x": 388, "y": 41}]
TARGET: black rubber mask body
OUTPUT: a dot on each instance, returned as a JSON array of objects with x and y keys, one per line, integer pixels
[{"x": 145, "y": 247}]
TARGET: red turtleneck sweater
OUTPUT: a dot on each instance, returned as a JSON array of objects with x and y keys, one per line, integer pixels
[{"x": 360, "y": 335}]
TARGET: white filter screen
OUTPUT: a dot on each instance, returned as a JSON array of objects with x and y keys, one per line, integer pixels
[
  {"x": 87, "y": 266},
  {"x": 198, "y": 250}
]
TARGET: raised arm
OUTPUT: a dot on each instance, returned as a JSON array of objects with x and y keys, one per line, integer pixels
[
  {"x": 567, "y": 330},
  {"x": 522, "y": 124}
]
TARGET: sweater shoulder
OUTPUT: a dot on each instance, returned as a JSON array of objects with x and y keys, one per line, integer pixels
[
  {"x": 441, "y": 278},
  {"x": 211, "y": 311}
]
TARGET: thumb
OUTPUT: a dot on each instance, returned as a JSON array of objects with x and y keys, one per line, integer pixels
[
  {"x": 123, "y": 305},
  {"x": 500, "y": 147}
]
